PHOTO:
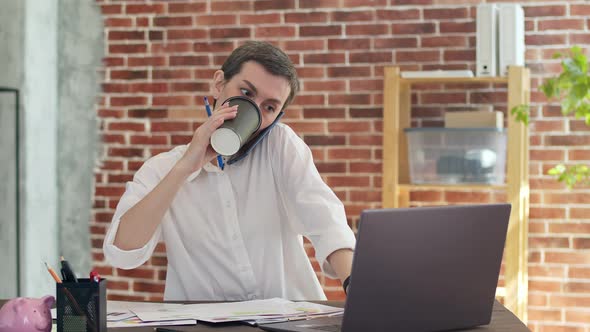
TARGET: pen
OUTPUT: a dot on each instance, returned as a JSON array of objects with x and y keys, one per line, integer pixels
[
  {"x": 66, "y": 271},
  {"x": 208, "y": 109}
]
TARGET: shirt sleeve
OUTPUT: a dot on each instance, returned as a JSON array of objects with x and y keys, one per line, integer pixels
[
  {"x": 145, "y": 179},
  {"x": 314, "y": 210}
]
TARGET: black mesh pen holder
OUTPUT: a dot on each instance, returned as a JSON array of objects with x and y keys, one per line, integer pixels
[{"x": 82, "y": 306}]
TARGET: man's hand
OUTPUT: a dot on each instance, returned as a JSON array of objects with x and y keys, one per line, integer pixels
[{"x": 200, "y": 151}]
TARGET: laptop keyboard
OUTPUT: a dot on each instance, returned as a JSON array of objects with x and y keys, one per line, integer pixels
[{"x": 332, "y": 328}]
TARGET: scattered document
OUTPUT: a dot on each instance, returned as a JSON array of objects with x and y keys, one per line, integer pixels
[{"x": 239, "y": 311}]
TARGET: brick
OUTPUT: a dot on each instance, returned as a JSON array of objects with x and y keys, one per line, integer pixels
[
  {"x": 189, "y": 60},
  {"x": 324, "y": 113},
  {"x": 545, "y": 39},
  {"x": 190, "y": 87},
  {"x": 307, "y": 17},
  {"x": 466, "y": 197},
  {"x": 580, "y": 213},
  {"x": 582, "y": 10},
  {"x": 364, "y": 3},
  {"x": 113, "y": 22},
  {"x": 367, "y": 29},
  {"x": 177, "y": 47},
  {"x": 191, "y": 34},
  {"x": 348, "y": 126},
  {"x": 171, "y": 74},
  {"x": 275, "y": 31},
  {"x": 398, "y": 14},
  {"x": 348, "y": 44},
  {"x": 443, "y": 98},
  {"x": 349, "y": 71},
  {"x": 305, "y": 45},
  {"x": 151, "y": 287},
  {"x": 395, "y": 43},
  {"x": 127, "y": 101},
  {"x": 561, "y": 24},
  {"x": 568, "y": 258},
  {"x": 353, "y": 15},
  {"x": 310, "y": 72},
  {"x": 128, "y": 74},
  {"x": 231, "y": 6},
  {"x": 371, "y": 140},
  {"x": 566, "y": 197},
  {"x": 190, "y": 7},
  {"x": 445, "y": 13},
  {"x": 118, "y": 178},
  {"x": 145, "y": 8},
  {"x": 365, "y": 167},
  {"x": 546, "y": 213},
  {"x": 146, "y": 61},
  {"x": 331, "y": 85},
  {"x": 413, "y": 56},
  {"x": 222, "y": 19},
  {"x": 269, "y": 18},
  {"x": 306, "y": 99},
  {"x": 127, "y": 48},
  {"x": 126, "y": 35},
  {"x": 548, "y": 242},
  {"x": 213, "y": 47},
  {"x": 319, "y": 4},
  {"x": 308, "y": 127},
  {"x": 260, "y": 5},
  {"x": 412, "y": 28},
  {"x": 444, "y": 41},
  {"x": 544, "y": 286},
  {"x": 172, "y": 100},
  {"x": 366, "y": 112},
  {"x": 320, "y": 30},
  {"x": 110, "y": 9},
  {"x": 324, "y": 58},
  {"x": 457, "y": 27},
  {"x": 567, "y": 140},
  {"x": 366, "y": 85},
  {"x": 169, "y": 126},
  {"x": 411, "y": 2},
  {"x": 581, "y": 243},
  {"x": 544, "y": 314},
  {"x": 331, "y": 167},
  {"x": 348, "y": 99},
  {"x": 348, "y": 181},
  {"x": 126, "y": 126},
  {"x": 111, "y": 61},
  {"x": 325, "y": 140},
  {"x": 149, "y": 140},
  {"x": 544, "y": 10},
  {"x": 348, "y": 154},
  {"x": 109, "y": 191},
  {"x": 230, "y": 33},
  {"x": 173, "y": 21},
  {"x": 459, "y": 55},
  {"x": 148, "y": 87}
]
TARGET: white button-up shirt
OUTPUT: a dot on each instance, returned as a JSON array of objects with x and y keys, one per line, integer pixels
[{"x": 237, "y": 234}]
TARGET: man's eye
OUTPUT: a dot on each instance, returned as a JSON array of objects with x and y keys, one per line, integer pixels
[
  {"x": 270, "y": 108},
  {"x": 246, "y": 92}
]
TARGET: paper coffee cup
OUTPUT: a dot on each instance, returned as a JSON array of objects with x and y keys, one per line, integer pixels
[{"x": 234, "y": 133}]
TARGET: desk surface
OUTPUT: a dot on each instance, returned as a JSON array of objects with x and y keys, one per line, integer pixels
[{"x": 502, "y": 321}]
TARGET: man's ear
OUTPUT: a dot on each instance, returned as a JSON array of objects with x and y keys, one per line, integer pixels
[{"x": 218, "y": 83}]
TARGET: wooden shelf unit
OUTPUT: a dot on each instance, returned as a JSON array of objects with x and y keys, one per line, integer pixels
[{"x": 396, "y": 185}]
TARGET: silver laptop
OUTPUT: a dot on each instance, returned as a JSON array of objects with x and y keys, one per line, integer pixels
[{"x": 420, "y": 269}]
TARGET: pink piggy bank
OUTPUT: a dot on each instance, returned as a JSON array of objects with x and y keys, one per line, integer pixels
[{"x": 25, "y": 314}]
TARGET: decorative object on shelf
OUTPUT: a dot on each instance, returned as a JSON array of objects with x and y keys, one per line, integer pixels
[{"x": 24, "y": 314}]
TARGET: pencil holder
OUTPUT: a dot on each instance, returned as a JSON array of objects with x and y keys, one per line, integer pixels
[{"x": 82, "y": 306}]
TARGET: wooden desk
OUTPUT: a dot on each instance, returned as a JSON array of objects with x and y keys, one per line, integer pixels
[{"x": 502, "y": 321}]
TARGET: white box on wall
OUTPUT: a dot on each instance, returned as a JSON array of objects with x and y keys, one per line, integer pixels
[
  {"x": 511, "y": 36},
  {"x": 487, "y": 40}
]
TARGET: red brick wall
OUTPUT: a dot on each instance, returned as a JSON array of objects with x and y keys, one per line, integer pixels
[{"x": 161, "y": 56}]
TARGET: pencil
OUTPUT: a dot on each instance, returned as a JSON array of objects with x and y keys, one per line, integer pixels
[
  {"x": 208, "y": 109},
  {"x": 53, "y": 274}
]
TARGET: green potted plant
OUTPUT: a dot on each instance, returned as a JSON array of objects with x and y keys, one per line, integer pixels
[{"x": 572, "y": 88}]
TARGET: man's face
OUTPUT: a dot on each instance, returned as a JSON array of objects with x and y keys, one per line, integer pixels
[{"x": 268, "y": 91}]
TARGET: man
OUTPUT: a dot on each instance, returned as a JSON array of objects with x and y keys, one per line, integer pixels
[{"x": 236, "y": 234}]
